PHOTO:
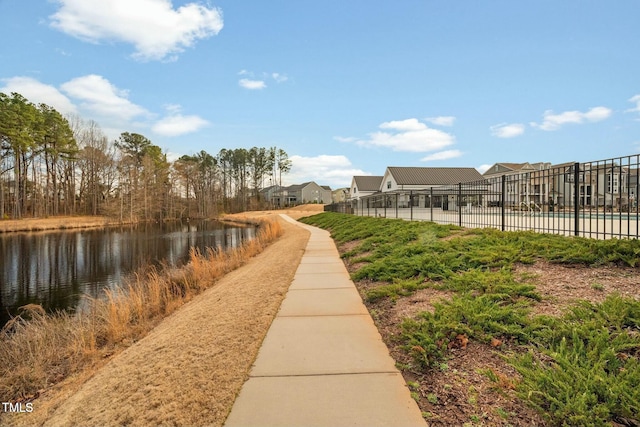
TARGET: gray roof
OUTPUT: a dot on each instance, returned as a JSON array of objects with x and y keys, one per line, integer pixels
[
  {"x": 296, "y": 187},
  {"x": 514, "y": 166},
  {"x": 433, "y": 176},
  {"x": 368, "y": 183},
  {"x": 562, "y": 165}
]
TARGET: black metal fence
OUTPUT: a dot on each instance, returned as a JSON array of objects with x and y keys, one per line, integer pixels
[{"x": 595, "y": 199}]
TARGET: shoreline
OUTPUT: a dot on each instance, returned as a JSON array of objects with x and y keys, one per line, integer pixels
[
  {"x": 70, "y": 222},
  {"x": 212, "y": 340},
  {"x": 55, "y": 223}
]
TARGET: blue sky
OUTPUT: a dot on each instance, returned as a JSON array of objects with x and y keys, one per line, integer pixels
[{"x": 345, "y": 87}]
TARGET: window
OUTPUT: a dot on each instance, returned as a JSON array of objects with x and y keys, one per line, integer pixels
[
  {"x": 612, "y": 179},
  {"x": 388, "y": 185},
  {"x": 355, "y": 190}
]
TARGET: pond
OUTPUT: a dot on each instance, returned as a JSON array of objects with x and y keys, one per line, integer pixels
[{"x": 55, "y": 268}]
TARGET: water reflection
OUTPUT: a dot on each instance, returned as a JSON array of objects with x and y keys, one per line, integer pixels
[{"x": 55, "y": 268}]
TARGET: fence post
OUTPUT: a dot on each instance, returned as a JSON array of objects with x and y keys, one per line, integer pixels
[
  {"x": 411, "y": 203},
  {"x": 460, "y": 204},
  {"x": 576, "y": 198},
  {"x": 502, "y": 199},
  {"x": 396, "y": 203},
  {"x": 385, "y": 205},
  {"x": 431, "y": 204}
]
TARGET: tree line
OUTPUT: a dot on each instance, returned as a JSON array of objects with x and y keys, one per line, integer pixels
[{"x": 56, "y": 165}]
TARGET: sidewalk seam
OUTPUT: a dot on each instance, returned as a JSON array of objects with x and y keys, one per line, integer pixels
[
  {"x": 327, "y": 374},
  {"x": 323, "y": 315}
]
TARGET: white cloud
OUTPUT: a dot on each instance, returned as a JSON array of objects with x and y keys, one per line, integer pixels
[
  {"x": 37, "y": 93},
  {"x": 408, "y": 135},
  {"x": 173, "y": 108},
  {"x": 279, "y": 78},
  {"x": 635, "y": 99},
  {"x": 177, "y": 124},
  {"x": 100, "y": 97},
  {"x": 252, "y": 84},
  {"x": 154, "y": 27},
  {"x": 441, "y": 120},
  {"x": 555, "y": 121},
  {"x": 171, "y": 156},
  {"x": 483, "y": 168},
  {"x": 404, "y": 125},
  {"x": 504, "y": 130},
  {"x": 345, "y": 138},
  {"x": 442, "y": 155},
  {"x": 94, "y": 97},
  {"x": 335, "y": 171}
]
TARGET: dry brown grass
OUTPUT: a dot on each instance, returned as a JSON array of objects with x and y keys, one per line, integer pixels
[
  {"x": 53, "y": 223},
  {"x": 295, "y": 212},
  {"x": 38, "y": 350},
  {"x": 42, "y": 351},
  {"x": 190, "y": 367}
]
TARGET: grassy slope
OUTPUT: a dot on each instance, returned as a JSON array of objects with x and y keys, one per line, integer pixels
[{"x": 579, "y": 369}]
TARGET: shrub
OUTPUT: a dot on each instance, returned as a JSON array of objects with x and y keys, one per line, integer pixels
[{"x": 584, "y": 368}]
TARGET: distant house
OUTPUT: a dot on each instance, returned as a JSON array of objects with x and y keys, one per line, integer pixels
[
  {"x": 421, "y": 178},
  {"x": 363, "y": 186},
  {"x": 308, "y": 192},
  {"x": 403, "y": 181},
  {"x": 609, "y": 185},
  {"x": 535, "y": 185},
  {"x": 499, "y": 169},
  {"x": 340, "y": 195},
  {"x": 525, "y": 183},
  {"x": 404, "y": 186}
]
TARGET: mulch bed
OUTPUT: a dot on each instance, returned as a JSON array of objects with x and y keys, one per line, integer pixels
[{"x": 458, "y": 392}]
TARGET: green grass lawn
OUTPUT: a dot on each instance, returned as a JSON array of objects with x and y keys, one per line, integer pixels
[{"x": 581, "y": 368}]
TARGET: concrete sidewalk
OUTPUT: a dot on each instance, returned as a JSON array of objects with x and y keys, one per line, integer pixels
[{"x": 323, "y": 362}]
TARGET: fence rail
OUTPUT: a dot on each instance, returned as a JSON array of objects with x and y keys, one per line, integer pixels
[{"x": 595, "y": 199}]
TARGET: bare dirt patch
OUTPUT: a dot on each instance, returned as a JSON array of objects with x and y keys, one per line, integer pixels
[
  {"x": 349, "y": 246},
  {"x": 458, "y": 393},
  {"x": 421, "y": 300},
  {"x": 561, "y": 286}
]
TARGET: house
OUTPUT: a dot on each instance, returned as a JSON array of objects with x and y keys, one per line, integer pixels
[
  {"x": 525, "y": 184},
  {"x": 272, "y": 194},
  {"x": 403, "y": 182},
  {"x": 362, "y": 186},
  {"x": 340, "y": 195},
  {"x": 541, "y": 185},
  {"x": 421, "y": 178},
  {"x": 500, "y": 169},
  {"x": 610, "y": 185},
  {"x": 308, "y": 192}
]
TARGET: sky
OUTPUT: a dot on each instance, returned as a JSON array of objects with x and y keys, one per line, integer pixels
[{"x": 345, "y": 87}]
